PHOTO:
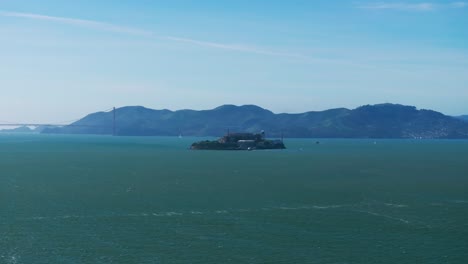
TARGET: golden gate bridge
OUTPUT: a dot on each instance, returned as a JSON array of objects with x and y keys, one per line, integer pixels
[{"x": 61, "y": 124}]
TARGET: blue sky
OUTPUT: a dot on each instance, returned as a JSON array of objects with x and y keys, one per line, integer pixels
[{"x": 63, "y": 59}]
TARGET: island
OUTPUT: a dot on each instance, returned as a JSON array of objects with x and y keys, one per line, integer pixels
[{"x": 239, "y": 141}]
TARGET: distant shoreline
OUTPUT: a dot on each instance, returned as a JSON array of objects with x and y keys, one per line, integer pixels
[{"x": 368, "y": 121}]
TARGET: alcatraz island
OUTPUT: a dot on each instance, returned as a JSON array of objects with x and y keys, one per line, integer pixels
[{"x": 239, "y": 141}]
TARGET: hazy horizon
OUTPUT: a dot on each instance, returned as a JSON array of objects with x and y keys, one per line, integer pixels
[{"x": 61, "y": 61}]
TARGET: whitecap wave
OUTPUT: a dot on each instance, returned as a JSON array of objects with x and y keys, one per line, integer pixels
[
  {"x": 385, "y": 216},
  {"x": 396, "y": 205},
  {"x": 192, "y": 212},
  {"x": 10, "y": 259}
]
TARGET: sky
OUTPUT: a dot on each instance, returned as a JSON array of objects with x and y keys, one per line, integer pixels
[{"x": 60, "y": 60}]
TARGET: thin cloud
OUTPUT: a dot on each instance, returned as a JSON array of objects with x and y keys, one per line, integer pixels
[
  {"x": 96, "y": 25},
  {"x": 80, "y": 22},
  {"x": 399, "y": 6},
  {"x": 459, "y": 4},
  {"x": 250, "y": 49},
  {"x": 423, "y": 6},
  {"x": 139, "y": 32},
  {"x": 233, "y": 47}
]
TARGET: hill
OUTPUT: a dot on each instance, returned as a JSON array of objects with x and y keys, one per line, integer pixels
[
  {"x": 462, "y": 117},
  {"x": 369, "y": 121},
  {"x": 21, "y": 129}
]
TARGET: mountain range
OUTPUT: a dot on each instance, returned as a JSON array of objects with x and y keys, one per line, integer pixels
[
  {"x": 23, "y": 129},
  {"x": 368, "y": 121}
]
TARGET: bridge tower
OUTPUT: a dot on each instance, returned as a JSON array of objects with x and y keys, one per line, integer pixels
[{"x": 113, "y": 122}]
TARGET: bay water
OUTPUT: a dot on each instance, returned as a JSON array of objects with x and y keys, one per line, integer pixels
[{"x": 102, "y": 199}]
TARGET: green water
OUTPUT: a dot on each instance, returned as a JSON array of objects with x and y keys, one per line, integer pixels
[{"x": 90, "y": 199}]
